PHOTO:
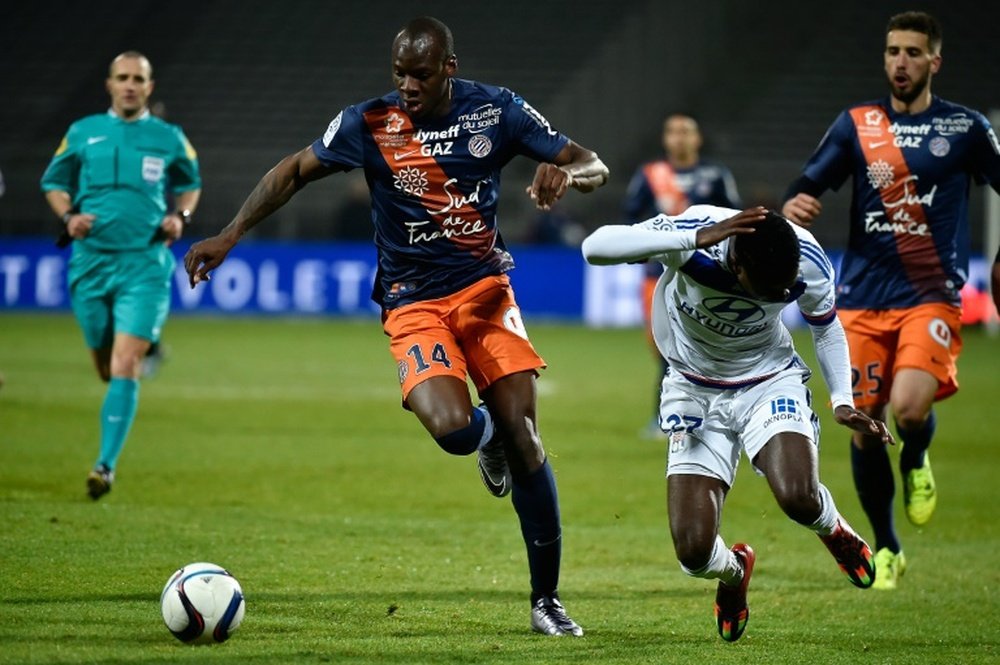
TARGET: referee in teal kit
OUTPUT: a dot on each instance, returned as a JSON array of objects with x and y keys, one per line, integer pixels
[{"x": 108, "y": 182}]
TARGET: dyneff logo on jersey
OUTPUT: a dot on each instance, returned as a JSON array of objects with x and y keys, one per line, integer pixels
[
  {"x": 436, "y": 143},
  {"x": 909, "y": 136},
  {"x": 535, "y": 115},
  {"x": 727, "y": 315}
]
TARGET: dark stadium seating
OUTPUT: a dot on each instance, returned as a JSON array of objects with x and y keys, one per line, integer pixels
[{"x": 251, "y": 81}]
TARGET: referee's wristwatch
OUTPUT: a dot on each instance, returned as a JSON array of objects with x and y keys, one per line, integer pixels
[{"x": 185, "y": 215}]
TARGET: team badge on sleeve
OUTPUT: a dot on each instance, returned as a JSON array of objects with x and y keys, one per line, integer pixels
[{"x": 331, "y": 130}]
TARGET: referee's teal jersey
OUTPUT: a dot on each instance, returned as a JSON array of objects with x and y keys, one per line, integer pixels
[{"x": 120, "y": 171}]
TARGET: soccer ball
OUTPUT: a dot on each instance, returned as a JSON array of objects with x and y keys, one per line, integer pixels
[{"x": 202, "y": 603}]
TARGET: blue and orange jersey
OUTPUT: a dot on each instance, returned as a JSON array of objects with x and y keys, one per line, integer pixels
[
  {"x": 435, "y": 184},
  {"x": 909, "y": 235},
  {"x": 659, "y": 188}
]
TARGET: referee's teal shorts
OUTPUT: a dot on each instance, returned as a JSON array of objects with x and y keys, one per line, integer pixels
[{"x": 120, "y": 292}]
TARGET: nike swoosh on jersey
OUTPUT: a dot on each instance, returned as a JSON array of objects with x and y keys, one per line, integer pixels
[
  {"x": 96, "y": 139},
  {"x": 876, "y": 144},
  {"x": 401, "y": 155}
]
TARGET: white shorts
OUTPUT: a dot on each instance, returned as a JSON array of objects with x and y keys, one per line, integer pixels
[{"x": 707, "y": 427}]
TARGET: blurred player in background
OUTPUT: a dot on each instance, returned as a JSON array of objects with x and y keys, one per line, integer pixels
[
  {"x": 734, "y": 381},
  {"x": 912, "y": 156},
  {"x": 669, "y": 186},
  {"x": 432, "y": 152},
  {"x": 108, "y": 183}
]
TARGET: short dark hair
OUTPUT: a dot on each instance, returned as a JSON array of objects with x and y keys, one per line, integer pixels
[
  {"x": 769, "y": 255},
  {"x": 429, "y": 26},
  {"x": 921, "y": 22}
]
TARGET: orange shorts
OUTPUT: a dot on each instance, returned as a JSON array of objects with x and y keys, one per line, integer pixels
[
  {"x": 476, "y": 332},
  {"x": 925, "y": 337}
]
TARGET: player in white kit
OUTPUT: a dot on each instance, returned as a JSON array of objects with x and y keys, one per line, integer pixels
[{"x": 735, "y": 381}]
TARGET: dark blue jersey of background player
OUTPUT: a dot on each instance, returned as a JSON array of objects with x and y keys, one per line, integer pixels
[
  {"x": 909, "y": 236},
  {"x": 678, "y": 181},
  {"x": 435, "y": 183},
  {"x": 657, "y": 187}
]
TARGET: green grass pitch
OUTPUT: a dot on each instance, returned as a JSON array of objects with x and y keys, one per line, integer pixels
[{"x": 279, "y": 449}]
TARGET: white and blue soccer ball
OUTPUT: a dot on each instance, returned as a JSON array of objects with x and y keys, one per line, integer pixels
[{"x": 202, "y": 603}]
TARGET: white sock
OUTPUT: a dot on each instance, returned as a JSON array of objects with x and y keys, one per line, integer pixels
[
  {"x": 722, "y": 565},
  {"x": 828, "y": 515}
]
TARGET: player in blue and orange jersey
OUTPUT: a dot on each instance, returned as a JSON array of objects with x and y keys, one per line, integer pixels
[
  {"x": 432, "y": 152},
  {"x": 912, "y": 156},
  {"x": 670, "y": 186}
]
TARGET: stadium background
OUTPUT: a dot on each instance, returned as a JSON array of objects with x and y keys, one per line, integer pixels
[
  {"x": 252, "y": 81},
  {"x": 277, "y": 448}
]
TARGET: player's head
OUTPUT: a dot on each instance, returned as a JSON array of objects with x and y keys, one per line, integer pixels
[
  {"x": 912, "y": 54},
  {"x": 423, "y": 62},
  {"x": 681, "y": 138},
  {"x": 130, "y": 83},
  {"x": 766, "y": 262}
]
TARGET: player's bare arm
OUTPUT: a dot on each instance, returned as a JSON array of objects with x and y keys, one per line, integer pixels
[
  {"x": 272, "y": 191},
  {"x": 739, "y": 224},
  {"x": 802, "y": 209},
  {"x": 575, "y": 167},
  {"x": 859, "y": 422}
]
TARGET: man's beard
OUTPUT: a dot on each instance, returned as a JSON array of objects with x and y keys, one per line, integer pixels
[{"x": 916, "y": 90}]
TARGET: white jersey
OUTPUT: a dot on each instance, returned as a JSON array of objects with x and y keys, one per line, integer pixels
[
  {"x": 706, "y": 325},
  {"x": 709, "y": 328}
]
